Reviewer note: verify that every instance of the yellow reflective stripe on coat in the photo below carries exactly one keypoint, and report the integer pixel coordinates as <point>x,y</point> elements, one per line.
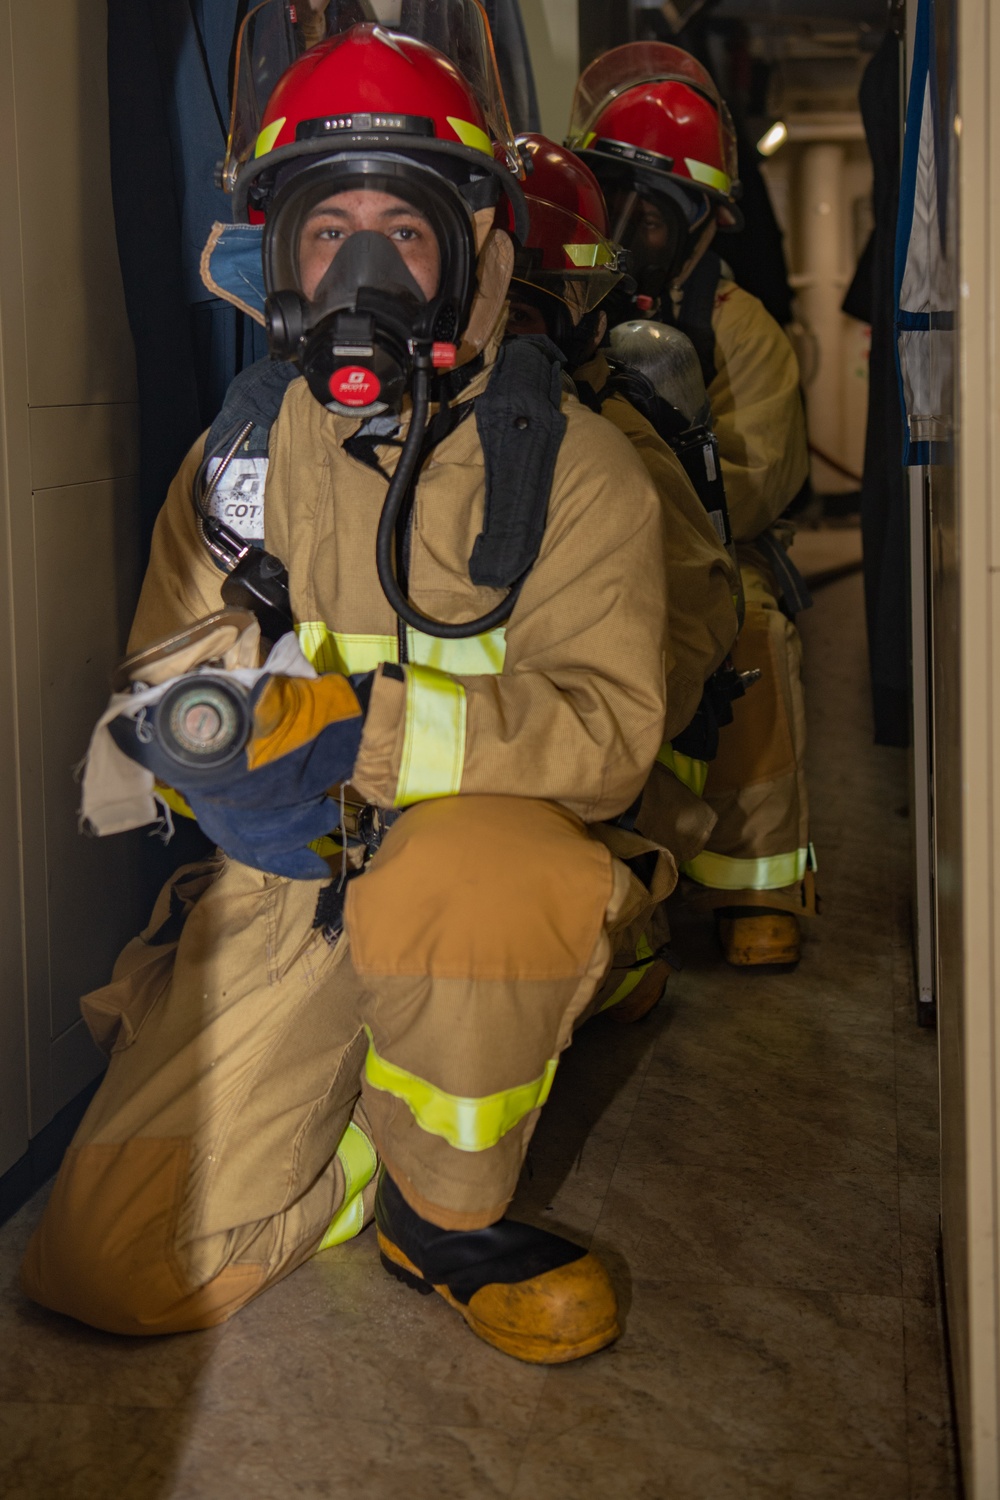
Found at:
<point>476,656</point>
<point>359,1162</point>
<point>338,651</point>
<point>332,651</point>
<point>725,874</point>
<point>466,1124</point>
<point>689,772</point>
<point>628,984</point>
<point>433,737</point>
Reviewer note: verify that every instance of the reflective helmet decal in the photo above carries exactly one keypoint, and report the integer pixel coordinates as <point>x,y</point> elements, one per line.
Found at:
<point>471,135</point>
<point>268,136</point>
<point>700,171</point>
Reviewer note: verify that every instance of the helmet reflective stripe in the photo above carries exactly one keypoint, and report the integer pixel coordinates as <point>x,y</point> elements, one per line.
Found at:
<point>471,135</point>
<point>591,255</point>
<point>711,176</point>
<point>268,136</point>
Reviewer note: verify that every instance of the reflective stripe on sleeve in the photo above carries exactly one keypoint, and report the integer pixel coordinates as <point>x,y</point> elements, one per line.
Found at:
<point>725,874</point>
<point>433,738</point>
<point>357,1157</point>
<point>689,772</point>
<point>339,651</point>
<point>466,1124</point>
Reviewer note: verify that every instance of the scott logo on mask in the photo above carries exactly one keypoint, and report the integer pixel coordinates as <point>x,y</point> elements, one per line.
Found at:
<point>352,385</point>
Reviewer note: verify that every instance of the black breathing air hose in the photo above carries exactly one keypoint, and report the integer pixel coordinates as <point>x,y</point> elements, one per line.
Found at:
<point>399,488</point>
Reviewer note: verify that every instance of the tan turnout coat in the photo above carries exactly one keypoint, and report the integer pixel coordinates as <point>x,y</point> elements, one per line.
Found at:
<point>576,714</point>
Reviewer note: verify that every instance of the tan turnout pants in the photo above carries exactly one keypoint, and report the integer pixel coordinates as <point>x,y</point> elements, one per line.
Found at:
<point>256,1069</point>
<point>758,851</point>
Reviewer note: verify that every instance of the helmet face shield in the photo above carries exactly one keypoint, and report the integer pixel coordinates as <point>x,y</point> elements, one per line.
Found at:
<point>568,258</point>
<point>622,68</point>
<point>277,33</point>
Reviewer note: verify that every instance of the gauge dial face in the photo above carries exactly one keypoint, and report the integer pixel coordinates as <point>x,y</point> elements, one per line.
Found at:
<point>203,721</point>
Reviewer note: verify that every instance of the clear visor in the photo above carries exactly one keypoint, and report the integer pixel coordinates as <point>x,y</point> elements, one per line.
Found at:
<point>643,62</point>
<point>652,228</point>
<point>568,258</point>
<point>277,33</point>
<point>408,230</point>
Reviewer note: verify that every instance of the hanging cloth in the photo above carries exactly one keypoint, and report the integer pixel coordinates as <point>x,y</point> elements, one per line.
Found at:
<point>925,318</point>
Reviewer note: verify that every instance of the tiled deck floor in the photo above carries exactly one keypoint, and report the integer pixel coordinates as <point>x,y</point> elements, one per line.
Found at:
<point>757,1162</point>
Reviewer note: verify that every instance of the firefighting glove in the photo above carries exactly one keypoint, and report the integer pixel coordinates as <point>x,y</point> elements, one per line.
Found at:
<point>294,738</point>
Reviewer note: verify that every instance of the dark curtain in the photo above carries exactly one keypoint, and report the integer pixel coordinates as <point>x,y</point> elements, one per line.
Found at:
<point>884,513</point>
<point>168,65</point>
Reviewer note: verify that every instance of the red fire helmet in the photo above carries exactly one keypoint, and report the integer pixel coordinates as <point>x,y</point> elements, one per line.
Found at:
<point>651,106</point>
<point>567,251</point>
<point>374,91</point>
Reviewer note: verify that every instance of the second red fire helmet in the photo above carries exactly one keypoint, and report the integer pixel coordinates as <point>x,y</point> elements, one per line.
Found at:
<point>567,252</point>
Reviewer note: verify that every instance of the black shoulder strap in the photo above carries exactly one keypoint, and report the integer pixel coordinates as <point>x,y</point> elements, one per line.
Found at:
<point>521,427</point>
<point>591,398</point>
<point>695,317</point>
<point>254,396</point>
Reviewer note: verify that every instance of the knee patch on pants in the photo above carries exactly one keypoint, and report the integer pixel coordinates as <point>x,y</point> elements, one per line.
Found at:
<point>104,1251</point>
<point>491,888</point>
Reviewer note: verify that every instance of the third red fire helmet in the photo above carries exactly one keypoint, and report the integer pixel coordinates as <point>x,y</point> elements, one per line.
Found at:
<point>653,106</point>
<point>567,252</point>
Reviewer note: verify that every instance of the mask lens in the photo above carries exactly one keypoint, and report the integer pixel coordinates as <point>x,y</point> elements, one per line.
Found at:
<point>314,227</point>
<point>651,232</point>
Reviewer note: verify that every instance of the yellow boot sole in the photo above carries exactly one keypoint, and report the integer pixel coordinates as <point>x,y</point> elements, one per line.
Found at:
<point>550,1319</point>
<point>771,938</point>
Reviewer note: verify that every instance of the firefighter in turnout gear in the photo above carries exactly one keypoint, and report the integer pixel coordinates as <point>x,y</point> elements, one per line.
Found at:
<point>469,693</point>
<point>648,120</point>
<point>564,272</point>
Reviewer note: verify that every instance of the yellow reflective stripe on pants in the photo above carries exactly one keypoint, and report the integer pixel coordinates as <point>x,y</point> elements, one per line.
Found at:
<point>466,1124</point>
<point>357,1157</point>
<point>725,874</point>
<point>628,984</point>
<point>338,651</point>
<point>433,737</point>
<point>689,772</point>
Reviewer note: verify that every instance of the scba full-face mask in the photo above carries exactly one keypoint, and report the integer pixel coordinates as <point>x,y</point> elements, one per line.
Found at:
<point>369,266</point>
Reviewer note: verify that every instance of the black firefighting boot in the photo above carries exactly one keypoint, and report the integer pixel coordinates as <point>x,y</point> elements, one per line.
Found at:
<point>530,1293</point>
